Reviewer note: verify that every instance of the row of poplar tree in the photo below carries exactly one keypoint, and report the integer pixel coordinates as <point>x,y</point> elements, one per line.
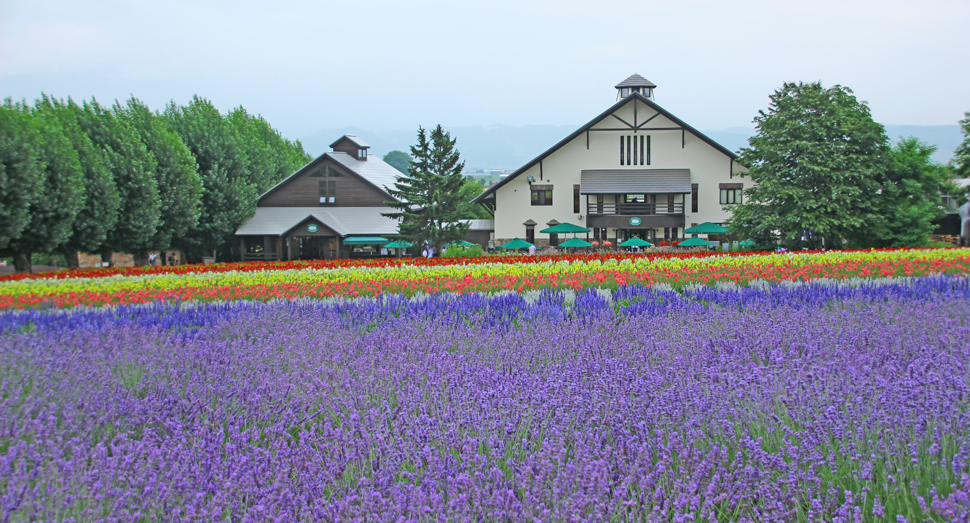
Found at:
<point>95,179</point>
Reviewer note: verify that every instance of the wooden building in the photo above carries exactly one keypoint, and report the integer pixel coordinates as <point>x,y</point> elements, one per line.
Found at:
<point>330,208</point>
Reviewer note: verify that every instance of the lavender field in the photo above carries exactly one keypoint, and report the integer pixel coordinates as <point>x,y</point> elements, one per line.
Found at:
<point>795,402</point>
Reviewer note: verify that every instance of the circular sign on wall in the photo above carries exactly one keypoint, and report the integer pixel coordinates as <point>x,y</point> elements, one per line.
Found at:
<point>634,221</point>
<point>312,227</point>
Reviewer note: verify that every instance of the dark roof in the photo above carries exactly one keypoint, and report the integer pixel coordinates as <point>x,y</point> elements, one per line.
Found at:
<point>636,81</point>
<point>633,96</point>
<point>352,138</point>
<point>635,181</point>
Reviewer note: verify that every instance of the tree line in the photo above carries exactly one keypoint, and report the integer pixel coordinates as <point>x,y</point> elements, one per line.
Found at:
<point>826,174</point>
<point>82,177</point>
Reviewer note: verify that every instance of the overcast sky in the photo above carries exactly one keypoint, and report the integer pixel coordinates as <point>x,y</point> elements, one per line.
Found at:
<point>394,65</point>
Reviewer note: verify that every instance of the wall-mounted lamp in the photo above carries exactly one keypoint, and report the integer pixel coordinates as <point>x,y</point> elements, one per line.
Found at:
<point>530,179</point>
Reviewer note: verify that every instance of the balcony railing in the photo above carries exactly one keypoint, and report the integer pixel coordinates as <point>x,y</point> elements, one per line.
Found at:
<point>635,209</point>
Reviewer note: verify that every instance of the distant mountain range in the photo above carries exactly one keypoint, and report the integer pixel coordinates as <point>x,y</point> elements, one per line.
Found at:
<point>508,147</point>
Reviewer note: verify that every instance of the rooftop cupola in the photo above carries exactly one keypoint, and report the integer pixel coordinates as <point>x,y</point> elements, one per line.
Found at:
<point>635,84</point>
<point>351,145</point>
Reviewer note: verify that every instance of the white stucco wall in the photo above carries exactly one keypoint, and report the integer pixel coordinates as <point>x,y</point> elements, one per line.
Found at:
<point>562,169</point>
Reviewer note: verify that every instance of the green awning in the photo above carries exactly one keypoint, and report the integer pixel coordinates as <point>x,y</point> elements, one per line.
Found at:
<point>706,228</point>
<point>694,242</point>
<point>564,228</point>
<point>400,244</point>
<point>575,242</point>
<point>365,240</point>
<point>636,242</point>
<point>516,244</point>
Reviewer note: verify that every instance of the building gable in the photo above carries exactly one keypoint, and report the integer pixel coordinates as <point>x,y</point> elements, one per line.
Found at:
<point>334,179</point>
<point>636,114</point>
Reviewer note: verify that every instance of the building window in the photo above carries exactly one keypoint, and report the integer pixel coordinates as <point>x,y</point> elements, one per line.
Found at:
<point>576,199</point>
<point>541,195</point>
<point>693,197</point>
<point>633,153</point>
<point>730,196</point>
<point>328,191</point>
<point>730,193</point>
<point>362,154</point>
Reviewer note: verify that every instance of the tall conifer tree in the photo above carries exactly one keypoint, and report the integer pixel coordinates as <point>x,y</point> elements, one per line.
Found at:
<point>430,207</point>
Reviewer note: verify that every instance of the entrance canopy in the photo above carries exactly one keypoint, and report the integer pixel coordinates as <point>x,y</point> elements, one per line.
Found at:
<point>635,181</point>
<point>365,240</point>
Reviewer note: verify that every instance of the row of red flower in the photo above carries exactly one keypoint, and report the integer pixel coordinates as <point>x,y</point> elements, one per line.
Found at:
<point>374,263</point>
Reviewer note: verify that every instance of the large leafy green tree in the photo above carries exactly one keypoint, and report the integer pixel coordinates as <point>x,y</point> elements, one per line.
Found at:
<point>271,157</point>
<point>399,160</point>
<point>20,171</point>
<point>469,190</point>
<point>229,192</point>
<point>430,207</point>
<point>60,196</point>
<point>177,176</point>
<point>909,196</point>
<point>815,163</point>
<point>134,168</point>
<point>99,213</point>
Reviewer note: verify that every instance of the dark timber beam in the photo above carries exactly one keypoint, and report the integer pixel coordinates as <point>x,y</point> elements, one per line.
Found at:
<point>647,121</point>
<point>622,120</point>
<point>641,129</point>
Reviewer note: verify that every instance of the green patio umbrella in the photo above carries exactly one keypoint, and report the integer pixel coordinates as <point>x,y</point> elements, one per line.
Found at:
<point>706,228</point>
<point>463,243</point>
<point>516,244</point>
<point>400,244</point>
<point>636,242</point>
<point>575,242</point>
<point>564,228</point>
<point>746,243</point>
<point>694,242</point>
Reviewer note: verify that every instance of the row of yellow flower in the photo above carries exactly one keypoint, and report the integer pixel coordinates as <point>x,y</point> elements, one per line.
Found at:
<point>358,281</point>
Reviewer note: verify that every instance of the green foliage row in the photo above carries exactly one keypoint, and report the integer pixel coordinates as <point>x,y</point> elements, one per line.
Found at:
<point>824,173</point>
<point>84,177</point>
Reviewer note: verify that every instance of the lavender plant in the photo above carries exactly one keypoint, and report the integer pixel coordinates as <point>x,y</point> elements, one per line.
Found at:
<point>821,401</point>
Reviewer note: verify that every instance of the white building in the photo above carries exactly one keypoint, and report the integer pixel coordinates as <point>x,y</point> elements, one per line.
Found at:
<point>634,170</point>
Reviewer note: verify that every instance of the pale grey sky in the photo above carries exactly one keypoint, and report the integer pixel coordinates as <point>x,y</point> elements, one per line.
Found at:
<point>394,65</point>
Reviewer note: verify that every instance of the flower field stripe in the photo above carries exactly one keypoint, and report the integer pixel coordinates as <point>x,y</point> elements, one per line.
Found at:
<point>553,273</point>
<point>822,400</point>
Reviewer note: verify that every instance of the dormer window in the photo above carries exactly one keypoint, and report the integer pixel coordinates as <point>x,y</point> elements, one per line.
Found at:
<point>361,154</point>
<point>624,92</point>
